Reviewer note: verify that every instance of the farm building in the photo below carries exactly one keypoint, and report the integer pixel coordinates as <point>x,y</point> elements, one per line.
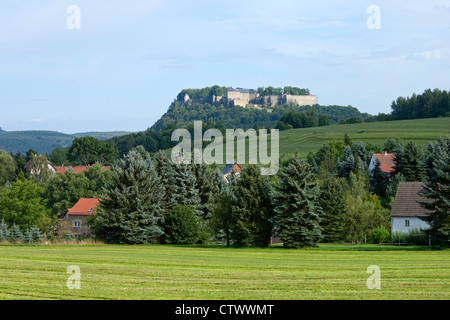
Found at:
<point>74,221</point>
<point>406,209</point>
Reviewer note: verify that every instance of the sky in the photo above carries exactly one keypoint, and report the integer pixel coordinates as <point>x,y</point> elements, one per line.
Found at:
<point>128,60</point>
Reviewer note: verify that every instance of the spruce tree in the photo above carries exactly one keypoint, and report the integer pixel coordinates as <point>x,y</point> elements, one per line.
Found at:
<point>15,234</point>
<point>165,170</point>
<point>332,202</point>
<point>36,234</point>
<point>411,163</point>
<point>378,180</point>
<point>298,211</point>
<point>184,187</point>
<point>4,232</point>
<point>252,210</point>
<point>222,219</point>
<point>437,186</point>
<point>131,208</point>
<point>347,164</point>
<point>28,237</point>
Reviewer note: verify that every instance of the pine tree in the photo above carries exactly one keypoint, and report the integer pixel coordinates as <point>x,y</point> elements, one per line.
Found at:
<point>332,202</point>
<point>15,234</point>
<point>165,169</point>
<point>185,191</point>
<point>207,184</point>
<point>347,164</point>
<point>252,211</point>
<point>131,209</point>
<point>4,232</point>
<point>28,237</point>
<point>361,155</point>
<point>36,234</point>
<point>298,212</point>
<point>348,142</point>
<point>411,163</point>
<point>222,219</point>
<point>378,180</point>
<point>437,186</point>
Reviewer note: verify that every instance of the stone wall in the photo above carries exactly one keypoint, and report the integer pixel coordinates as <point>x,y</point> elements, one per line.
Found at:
<point>301,100</point>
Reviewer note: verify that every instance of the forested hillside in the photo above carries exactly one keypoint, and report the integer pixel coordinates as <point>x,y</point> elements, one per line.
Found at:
<point>244,118</point>
<point>45,141</point>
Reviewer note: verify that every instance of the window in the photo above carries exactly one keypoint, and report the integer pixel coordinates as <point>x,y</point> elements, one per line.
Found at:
<point>77,224</point>
<point>406,223</point>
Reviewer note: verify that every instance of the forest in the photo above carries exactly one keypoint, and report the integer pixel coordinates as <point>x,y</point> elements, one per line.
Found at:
<point>430,104</point>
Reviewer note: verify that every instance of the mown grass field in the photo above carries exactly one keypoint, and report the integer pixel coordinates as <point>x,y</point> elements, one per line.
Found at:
<point>330,272</point>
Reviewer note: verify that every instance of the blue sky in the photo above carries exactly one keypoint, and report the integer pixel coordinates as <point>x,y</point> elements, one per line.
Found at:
<point>130,59</point>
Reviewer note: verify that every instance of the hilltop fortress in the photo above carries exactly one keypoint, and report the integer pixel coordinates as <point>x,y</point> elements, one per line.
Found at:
<point>251,98</point>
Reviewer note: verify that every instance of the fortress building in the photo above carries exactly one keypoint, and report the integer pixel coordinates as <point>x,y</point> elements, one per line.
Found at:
<point>251,98</point>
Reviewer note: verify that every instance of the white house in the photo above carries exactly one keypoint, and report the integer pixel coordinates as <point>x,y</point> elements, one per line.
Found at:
<point>406,210</point>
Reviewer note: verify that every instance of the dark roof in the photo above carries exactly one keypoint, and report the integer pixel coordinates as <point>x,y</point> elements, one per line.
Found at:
<point>230,167</point>
<point>406,200</point>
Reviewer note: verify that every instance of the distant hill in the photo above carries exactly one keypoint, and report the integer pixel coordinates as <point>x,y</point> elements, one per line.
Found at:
<point>45,141</point>
<point>204,104</point>
<point>208,105</point>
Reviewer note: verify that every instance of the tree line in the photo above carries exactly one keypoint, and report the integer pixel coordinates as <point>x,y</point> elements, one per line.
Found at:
<point>147,198</point>
<point>430,104</point>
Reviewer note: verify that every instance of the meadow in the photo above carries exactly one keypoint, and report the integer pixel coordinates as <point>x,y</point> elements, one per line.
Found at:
<point>421,131</point>
<point>306,140</point>
<point>154,272</point>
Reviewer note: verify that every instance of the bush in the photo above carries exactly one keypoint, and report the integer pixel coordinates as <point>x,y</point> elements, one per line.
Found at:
<point>182,226</point>
<point>413,236</point>
<point>379,235</point>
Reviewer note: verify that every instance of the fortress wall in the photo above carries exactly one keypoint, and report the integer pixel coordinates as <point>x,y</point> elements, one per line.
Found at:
<point>241,102</point>
<point>301,100</point>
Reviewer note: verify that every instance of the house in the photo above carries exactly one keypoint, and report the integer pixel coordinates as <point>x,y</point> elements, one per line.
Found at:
<point>74,220</point>
<point>387,163</point>
<point>406,210</point>
<point>229,168</point>
<point>37,165</point>
<point>77,169</point>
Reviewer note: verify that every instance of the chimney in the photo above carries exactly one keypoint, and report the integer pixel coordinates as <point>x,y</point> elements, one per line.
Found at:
<point>385,153</point>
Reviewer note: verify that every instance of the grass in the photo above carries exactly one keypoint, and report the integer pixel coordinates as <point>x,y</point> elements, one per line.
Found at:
<point>421,131</point>
<point>213,272</point>
<point>306,140</point>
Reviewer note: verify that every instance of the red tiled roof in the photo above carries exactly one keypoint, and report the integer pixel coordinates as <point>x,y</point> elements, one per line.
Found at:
<point>406,202</point>
<point>386,161</point>
<point>77,169</point>
<point>84,206</point>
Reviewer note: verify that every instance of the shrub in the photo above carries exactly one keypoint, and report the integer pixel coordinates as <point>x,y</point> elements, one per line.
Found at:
<point>182,226</point>
<point>379,235</point>
<point>413,236</point>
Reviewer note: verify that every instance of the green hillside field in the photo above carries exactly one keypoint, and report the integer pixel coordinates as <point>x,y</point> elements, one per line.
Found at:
<point>153,272</point>
<point>421,131</point>
<point>306,140</point>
